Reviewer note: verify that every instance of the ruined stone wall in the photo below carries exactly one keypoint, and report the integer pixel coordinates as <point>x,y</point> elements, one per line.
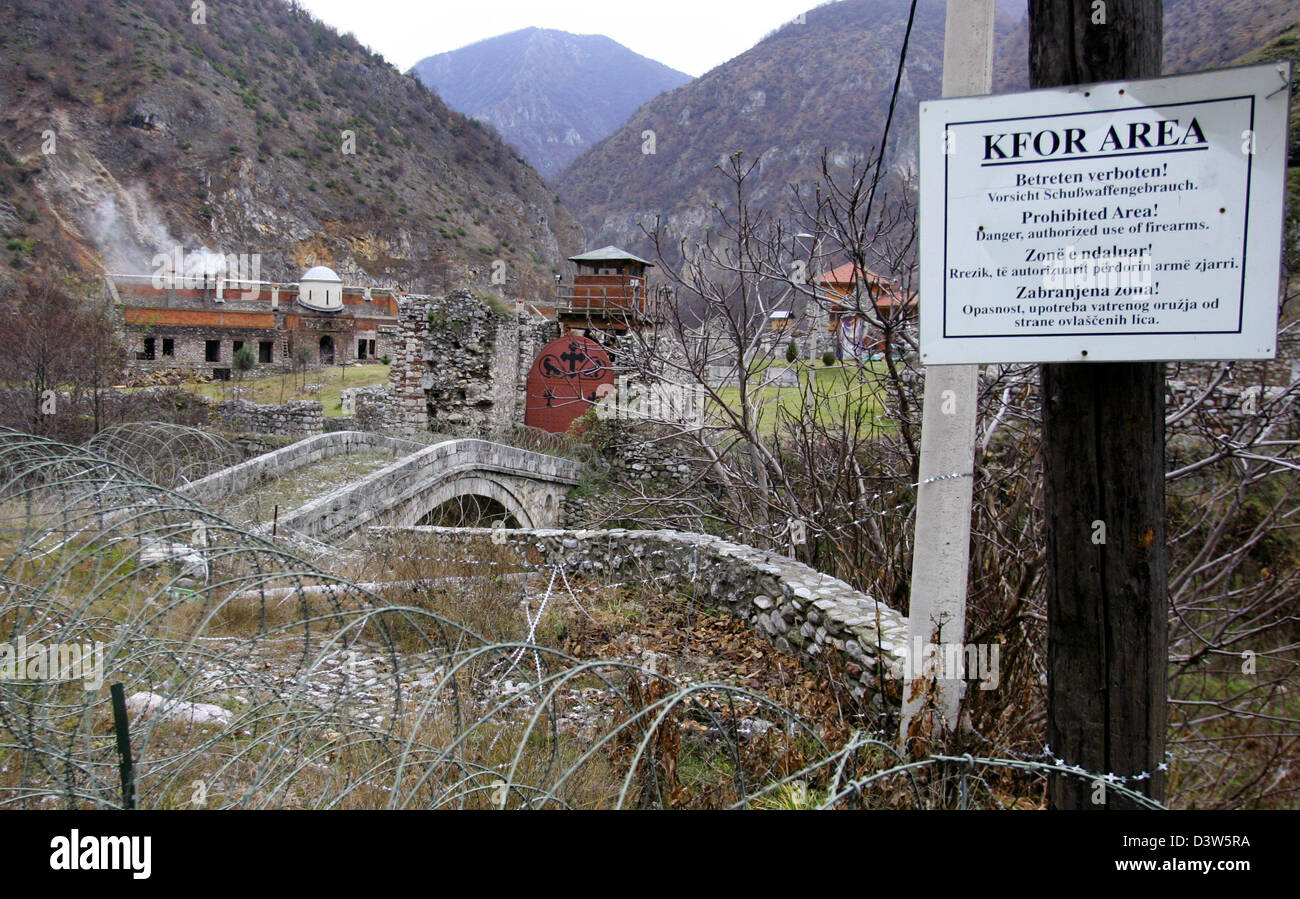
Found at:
<point>638,457</point>
<point>407,411</point>
<point>1242,389</point>
<point>364,409</point>
<point>386,339</point>
<point>1279,372</point>
<point>370,407</point>
<point>459,363</point>
<point>1230,406</point>
<point>641,458</point>
<point>299,418</point>
<point>504,372</point>
<point>803,612</point>
<point>462,365</point>
<point>534,333</point>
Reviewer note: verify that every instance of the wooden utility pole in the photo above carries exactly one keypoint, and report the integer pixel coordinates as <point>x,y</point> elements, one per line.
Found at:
<point>937,609</point>
<point>1103,459</point>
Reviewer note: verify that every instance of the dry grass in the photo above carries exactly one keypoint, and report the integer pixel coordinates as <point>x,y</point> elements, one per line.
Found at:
<point>456,680</point>
<point>325,385</point>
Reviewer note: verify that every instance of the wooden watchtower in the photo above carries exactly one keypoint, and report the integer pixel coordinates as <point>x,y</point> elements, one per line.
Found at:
<point>608,293</point>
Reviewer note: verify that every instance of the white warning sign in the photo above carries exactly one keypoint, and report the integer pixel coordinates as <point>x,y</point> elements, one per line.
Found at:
<point>1123,221</point>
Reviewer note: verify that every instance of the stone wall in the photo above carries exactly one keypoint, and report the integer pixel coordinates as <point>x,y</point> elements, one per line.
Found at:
<point>642,458</point>
<point>408,411</point>
<point>655,461</point>
<point>298,418</point>
<point>1279,372</point>
<point>1229,407</point>
<point>802,611</point>
<point>534,333</point>
<point>1246,387</point>
<point>251,446</point>
<point>364,409</point>
<point>459,359</point>
<point>458,364</point>
<point>1242,388</point>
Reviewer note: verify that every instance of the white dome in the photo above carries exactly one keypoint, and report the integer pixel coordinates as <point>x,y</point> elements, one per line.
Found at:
<point>321,289</point>
<point>320,273</point>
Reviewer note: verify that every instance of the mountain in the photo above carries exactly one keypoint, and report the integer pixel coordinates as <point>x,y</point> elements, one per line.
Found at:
<point>132,127</point>
<point>826,83</point>
<point>1204,34</point>
<point>549,93</point>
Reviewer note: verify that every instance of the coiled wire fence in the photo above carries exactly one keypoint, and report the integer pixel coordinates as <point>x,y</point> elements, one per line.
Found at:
<point>257,679</point>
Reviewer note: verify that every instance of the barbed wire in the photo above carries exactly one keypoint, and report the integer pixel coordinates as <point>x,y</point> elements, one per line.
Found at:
<point>258,679</point>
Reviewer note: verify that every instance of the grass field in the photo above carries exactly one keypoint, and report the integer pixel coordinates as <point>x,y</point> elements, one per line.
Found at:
<point>283,388</point>
<point>837,392</point>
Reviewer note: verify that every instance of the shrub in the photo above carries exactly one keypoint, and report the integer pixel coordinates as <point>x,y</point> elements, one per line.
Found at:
<point>243,360</point>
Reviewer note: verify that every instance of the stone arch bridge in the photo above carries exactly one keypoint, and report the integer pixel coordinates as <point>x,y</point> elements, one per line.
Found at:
<point>803,612</point>
<point>529,486</point>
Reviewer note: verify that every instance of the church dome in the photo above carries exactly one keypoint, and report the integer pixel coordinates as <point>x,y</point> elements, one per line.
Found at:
<point>320,273</point>
<point>321,289</point>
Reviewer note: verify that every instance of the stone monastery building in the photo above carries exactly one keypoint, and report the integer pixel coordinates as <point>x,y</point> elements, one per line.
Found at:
<point>200,322</point>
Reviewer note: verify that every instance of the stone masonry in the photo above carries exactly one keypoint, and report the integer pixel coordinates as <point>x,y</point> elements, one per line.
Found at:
<point>802,611</point>
<point>301,418</point>
<point>459,364</point>
<point>530,486</point>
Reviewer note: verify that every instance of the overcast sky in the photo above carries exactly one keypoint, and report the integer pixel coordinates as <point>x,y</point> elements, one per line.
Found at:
<point>690,35</point>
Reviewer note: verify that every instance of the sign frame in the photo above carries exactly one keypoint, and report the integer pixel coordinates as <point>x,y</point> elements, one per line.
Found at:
<point>970,148</point>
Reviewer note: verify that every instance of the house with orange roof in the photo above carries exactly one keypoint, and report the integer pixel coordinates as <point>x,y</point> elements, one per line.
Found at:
<point>845,289</point>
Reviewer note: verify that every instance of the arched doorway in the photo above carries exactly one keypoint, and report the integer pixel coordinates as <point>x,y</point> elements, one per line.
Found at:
<point>563,381</point>
<point>327,350</point>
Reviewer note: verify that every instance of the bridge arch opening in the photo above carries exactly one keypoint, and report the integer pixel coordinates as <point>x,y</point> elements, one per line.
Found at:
<point>484,486</point>
<point>469,510</point>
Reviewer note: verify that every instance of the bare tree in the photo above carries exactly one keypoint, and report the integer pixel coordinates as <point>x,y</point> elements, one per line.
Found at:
<point>63,352</point>
<point>837,450</point>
